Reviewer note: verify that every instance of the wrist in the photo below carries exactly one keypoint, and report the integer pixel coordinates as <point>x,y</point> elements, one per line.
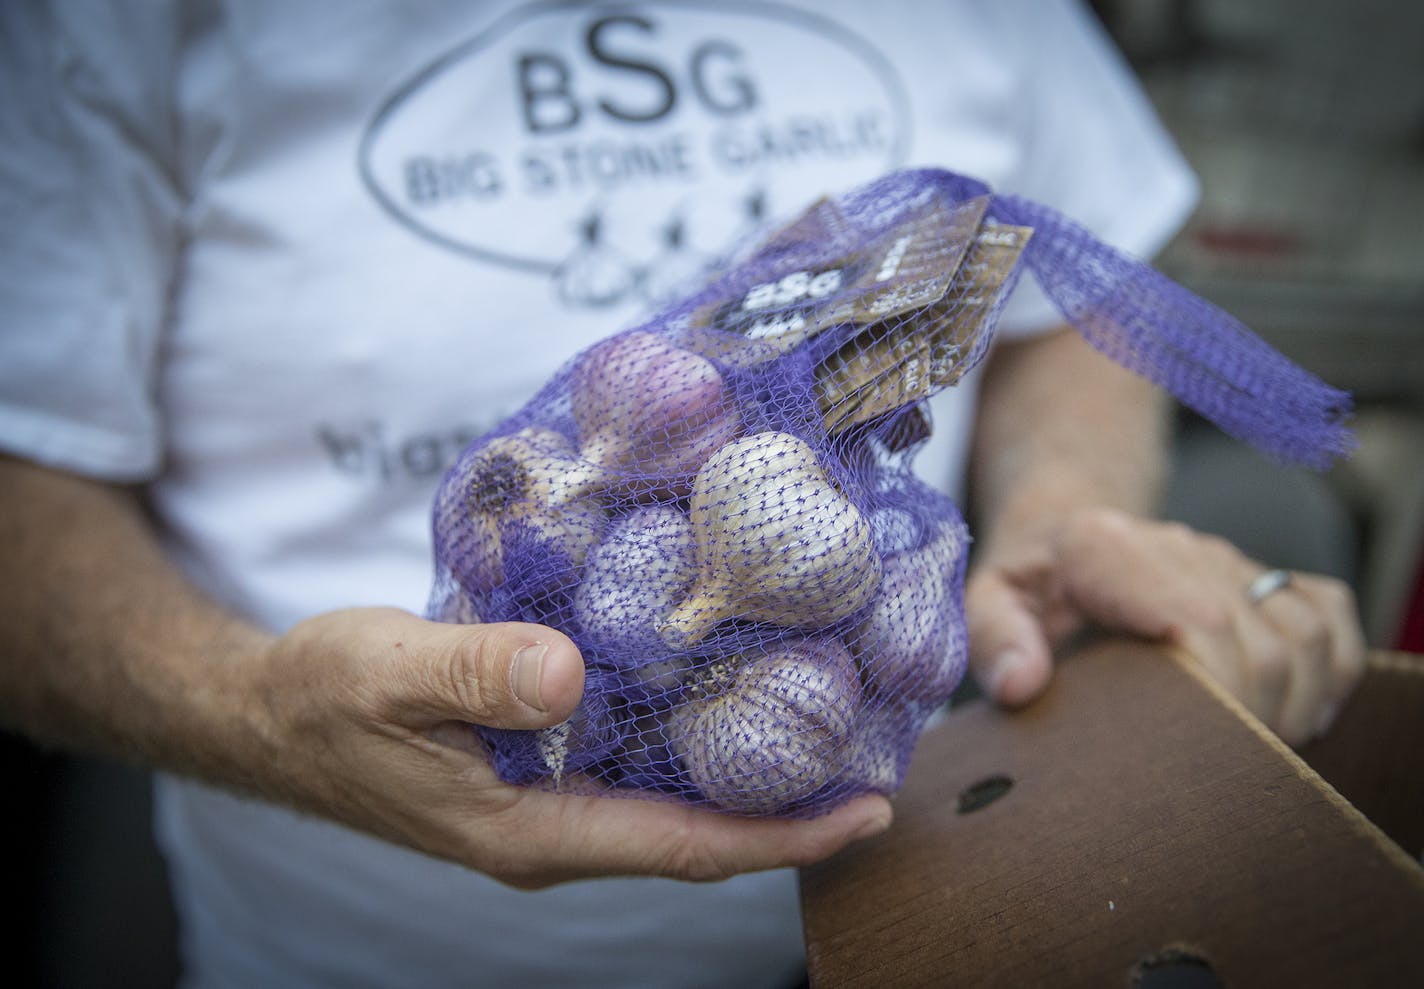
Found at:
<point>233,721</point>
<point>1062,430</point>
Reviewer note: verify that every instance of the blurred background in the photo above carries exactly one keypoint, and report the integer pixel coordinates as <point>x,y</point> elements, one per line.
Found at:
<point>1305,122</point>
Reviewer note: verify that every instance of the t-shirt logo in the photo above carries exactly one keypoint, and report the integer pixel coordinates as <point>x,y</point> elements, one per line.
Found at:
<point>618,150</point>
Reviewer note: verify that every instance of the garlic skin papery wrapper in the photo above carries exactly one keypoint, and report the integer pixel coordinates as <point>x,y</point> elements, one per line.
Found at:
<point>520,486</point>
<point>649,413</point>
<point>765,732</point>
<point>776,542</point>
<point>911,645</point>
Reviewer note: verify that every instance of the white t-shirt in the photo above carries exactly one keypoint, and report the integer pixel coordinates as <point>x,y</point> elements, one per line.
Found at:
<point>281,261</point>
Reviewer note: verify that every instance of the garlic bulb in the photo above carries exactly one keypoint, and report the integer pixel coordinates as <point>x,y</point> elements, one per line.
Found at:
<point>649,409</point>
<point>910,645</point>
<point>896,529</point>
<point>630,583</point>
<point>519,486</point>
<point>776,542</point>
<point>880,747</point>
<point>765,732</point>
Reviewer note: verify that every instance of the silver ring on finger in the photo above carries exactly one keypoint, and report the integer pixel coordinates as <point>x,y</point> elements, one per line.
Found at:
<point>1267,584</point>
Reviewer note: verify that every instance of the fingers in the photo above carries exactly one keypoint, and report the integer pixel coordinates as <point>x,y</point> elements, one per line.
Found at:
<point>1347,635</point>
<point>386,746</point>
<point>1292,658</point>
<point>505,675</point>
<point>716,846</point>
<point>591,837</point>
<point>509,675</point>
<point>1290,649</point>
<point>1324,615</point>
<point>1008,653</point>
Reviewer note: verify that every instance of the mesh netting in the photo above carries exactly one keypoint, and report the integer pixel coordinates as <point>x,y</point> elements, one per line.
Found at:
<point>718,506</point>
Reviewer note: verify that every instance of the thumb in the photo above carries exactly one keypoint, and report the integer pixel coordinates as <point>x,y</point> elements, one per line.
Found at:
<point>505,675</point>
<point>1009,654</point>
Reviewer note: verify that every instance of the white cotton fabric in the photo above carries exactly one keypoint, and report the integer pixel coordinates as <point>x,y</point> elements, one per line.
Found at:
<point>281,261</point>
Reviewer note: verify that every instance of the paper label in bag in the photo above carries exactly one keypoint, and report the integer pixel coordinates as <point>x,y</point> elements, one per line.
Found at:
<point>808,287</point>
<point>904,361</point>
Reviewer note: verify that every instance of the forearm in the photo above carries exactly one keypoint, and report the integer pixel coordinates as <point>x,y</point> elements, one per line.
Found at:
<point>106,646</point>
<point>1062,428</point>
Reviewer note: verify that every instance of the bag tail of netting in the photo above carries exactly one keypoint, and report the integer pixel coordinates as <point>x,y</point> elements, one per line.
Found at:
<point>718,506</point>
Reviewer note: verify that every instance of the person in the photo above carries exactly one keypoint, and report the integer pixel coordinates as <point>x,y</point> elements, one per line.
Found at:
<point>266,270</point>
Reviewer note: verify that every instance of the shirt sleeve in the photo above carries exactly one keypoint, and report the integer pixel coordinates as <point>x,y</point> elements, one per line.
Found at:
<point>91,210</point>
<point>1092,146</point>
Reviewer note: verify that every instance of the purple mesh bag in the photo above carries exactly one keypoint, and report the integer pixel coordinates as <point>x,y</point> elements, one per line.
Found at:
<point>718,506</point>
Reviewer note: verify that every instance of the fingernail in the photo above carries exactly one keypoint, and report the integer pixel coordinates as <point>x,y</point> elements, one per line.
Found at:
<point>526,675</point>
<point>1000,667</point>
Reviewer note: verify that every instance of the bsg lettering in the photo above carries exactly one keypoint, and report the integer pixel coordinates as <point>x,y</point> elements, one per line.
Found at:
<point>617,76</point>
